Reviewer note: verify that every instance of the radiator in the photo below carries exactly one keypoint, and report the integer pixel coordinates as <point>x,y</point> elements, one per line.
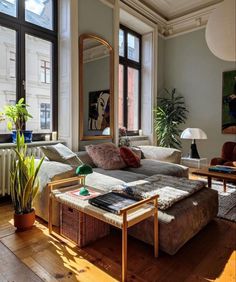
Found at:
<point>6,158</point>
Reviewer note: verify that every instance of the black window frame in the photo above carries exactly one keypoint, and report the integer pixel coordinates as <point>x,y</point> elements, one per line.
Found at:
<point>126,63</point>
<point>23,27</point>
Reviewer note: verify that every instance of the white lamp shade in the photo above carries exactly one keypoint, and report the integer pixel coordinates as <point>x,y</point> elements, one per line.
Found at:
<point>106,131</point>
<point>193,133</point>
<point>221,31</point>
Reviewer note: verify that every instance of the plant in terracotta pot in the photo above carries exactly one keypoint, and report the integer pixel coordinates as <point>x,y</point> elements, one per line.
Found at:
<point>24,185</point>
<point>17,115</point>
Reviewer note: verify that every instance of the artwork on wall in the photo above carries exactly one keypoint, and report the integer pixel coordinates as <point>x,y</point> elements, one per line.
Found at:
<point>99,110</point>
<point>229,102</point>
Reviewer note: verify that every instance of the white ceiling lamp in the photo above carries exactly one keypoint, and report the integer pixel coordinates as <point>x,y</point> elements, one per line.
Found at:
<point>221,31</point>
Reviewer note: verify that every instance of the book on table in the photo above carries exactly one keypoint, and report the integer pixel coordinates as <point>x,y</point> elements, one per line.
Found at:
<point>223,169</point>
<point>112,202</point>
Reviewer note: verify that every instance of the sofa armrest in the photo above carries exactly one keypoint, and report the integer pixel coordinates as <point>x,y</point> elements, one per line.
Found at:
<point>169,155</point>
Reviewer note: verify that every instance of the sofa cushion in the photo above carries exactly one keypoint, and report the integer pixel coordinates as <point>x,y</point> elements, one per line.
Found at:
<point>170,155</point>
<point>126,176</point>
<point>129,157</point>
<point>106,156</point>
<point>61,153</point>
<point>85,158</point>
<point>151,167</point>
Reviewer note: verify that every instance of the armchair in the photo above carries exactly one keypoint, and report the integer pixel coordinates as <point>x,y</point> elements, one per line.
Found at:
<point>228,155</point>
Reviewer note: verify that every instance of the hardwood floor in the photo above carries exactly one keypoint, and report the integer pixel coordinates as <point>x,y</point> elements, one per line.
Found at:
<point>209,256</point>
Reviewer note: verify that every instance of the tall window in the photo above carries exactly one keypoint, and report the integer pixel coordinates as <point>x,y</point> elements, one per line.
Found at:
<point>45,72</point>
<point>28,37</point>
<point>45,116</point>
<point>129,79</point>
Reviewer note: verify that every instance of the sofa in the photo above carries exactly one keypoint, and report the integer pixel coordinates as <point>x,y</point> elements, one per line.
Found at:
<point>177,224</point>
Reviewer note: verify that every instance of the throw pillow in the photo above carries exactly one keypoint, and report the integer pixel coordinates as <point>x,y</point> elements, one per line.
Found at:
<point>62,154</point>
<point>106,156</point>
<point>129,157</point>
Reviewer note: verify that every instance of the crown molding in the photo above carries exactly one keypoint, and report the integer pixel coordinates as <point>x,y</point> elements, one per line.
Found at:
<point>169,28</point>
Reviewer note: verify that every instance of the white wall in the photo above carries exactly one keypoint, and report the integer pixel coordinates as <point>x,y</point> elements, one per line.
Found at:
<point>196,73</point>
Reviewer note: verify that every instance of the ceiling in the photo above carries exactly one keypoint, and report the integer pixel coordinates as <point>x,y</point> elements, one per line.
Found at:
<point>171,9</point>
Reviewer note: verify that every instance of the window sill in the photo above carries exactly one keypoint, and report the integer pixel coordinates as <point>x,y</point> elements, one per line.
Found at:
<point>32,144</point>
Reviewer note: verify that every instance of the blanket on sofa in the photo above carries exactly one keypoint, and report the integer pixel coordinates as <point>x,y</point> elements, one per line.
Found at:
<point>169,188</point>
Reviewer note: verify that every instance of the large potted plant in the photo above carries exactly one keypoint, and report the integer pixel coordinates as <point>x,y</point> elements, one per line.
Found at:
<point>17,115</point>
<point>24,185</point>
<point>169,114</point>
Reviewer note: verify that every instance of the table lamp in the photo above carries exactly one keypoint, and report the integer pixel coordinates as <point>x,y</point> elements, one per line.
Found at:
<point>84,170</point>
<point>193,133</point>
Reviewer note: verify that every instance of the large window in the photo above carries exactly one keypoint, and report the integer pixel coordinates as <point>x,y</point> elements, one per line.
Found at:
<point>28,61</point>
<point>129,80</point>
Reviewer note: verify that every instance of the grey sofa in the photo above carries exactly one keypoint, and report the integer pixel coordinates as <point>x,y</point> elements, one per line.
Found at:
<point>177,224</point>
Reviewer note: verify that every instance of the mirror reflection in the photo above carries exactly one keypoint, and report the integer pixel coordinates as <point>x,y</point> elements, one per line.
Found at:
<point>96,91</point>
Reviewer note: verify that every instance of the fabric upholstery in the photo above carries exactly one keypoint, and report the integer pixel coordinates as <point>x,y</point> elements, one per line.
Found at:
<point>85,158</point>
<point>106,156</point>
<point>228,155</point>
<point>161,154</point>
<point>61,153</point>
<point>129,157</point>
<point>151,167</point>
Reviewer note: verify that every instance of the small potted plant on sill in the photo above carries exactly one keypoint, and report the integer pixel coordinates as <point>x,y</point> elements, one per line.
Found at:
<point>24,185</point>
<point>17,116</point>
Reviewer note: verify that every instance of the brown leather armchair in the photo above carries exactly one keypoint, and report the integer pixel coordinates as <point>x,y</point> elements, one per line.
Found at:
<point>228,155</point>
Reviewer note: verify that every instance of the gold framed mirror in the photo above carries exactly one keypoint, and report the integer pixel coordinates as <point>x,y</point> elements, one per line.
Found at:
<point>96,88</point>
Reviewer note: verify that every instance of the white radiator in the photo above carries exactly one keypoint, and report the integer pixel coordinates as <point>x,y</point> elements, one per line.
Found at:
<point>6,158</point>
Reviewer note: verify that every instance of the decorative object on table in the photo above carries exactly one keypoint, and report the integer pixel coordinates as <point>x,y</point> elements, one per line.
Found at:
<point>54,135</point>
<point>84,170</point>
<point>99,109</point>
<point>193,134</point>
<point>229,102</point>
<point>123,138</point>
<point>228,155</point>
<point>17,116</point>
<point>220,31</point>
<point>169,114</point>
<point>24,185</point>
<point>77,193</point>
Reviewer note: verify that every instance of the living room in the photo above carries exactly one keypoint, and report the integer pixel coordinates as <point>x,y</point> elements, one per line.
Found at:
<point>52,54</point>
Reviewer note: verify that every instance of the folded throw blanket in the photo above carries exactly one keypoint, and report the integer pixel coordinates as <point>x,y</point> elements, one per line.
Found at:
<point>170,189</point>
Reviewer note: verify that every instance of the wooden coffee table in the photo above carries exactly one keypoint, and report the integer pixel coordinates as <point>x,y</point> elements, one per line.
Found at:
<point>218,175</point>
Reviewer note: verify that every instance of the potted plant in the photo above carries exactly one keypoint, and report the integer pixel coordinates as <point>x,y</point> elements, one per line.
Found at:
<point>168,116</point>
<point>17,116</point>
<point>24,185</point>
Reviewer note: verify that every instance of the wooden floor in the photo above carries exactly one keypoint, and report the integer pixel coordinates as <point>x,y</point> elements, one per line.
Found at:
<point>210,256</point>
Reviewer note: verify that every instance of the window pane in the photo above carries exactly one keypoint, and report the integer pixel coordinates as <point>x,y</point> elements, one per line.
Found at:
<point>133,47</point>
<point>38,84</point>
<point>121,43</point>
<point>8,7</point>
<point>39,12</point>
<point>7,70</point>
<point>121,96</point>
<point>133,98</point>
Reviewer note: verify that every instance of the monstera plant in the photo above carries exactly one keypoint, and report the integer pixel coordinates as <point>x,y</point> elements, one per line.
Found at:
<point>169,114</point>
<point>24,185</point>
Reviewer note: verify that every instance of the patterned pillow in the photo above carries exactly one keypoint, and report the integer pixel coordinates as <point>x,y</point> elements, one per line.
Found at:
<point>62,154</point>
<point>106,156</point>
<point>129,157</point>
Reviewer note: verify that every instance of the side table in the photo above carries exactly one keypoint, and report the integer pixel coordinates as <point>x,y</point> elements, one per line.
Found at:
<point>128,216</point>
<point>194,163</point>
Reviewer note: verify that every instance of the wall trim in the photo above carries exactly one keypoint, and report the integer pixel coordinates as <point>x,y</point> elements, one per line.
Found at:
<point>180,25</point>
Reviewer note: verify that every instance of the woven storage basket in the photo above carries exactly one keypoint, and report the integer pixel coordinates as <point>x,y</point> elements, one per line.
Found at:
<point>81,228</point>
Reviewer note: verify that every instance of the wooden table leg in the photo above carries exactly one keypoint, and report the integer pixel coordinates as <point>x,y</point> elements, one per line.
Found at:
<point>155,229</point>
<point>50,213</point>
<point>209,181</point>
<point>224,184</point>
<point>124,248</point>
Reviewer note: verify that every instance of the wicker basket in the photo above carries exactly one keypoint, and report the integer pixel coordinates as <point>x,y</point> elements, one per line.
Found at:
<point>81,228</point>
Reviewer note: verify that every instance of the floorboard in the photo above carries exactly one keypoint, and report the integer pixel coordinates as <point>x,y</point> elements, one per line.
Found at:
<point>209,256</point>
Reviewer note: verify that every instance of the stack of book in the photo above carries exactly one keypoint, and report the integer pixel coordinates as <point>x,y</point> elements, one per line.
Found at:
<point>223,169</point>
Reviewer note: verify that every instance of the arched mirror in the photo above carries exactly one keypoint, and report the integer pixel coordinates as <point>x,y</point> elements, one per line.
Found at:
<point>96,98</point>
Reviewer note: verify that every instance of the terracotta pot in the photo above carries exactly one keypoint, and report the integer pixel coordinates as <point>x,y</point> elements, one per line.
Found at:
<point>24,221</point>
